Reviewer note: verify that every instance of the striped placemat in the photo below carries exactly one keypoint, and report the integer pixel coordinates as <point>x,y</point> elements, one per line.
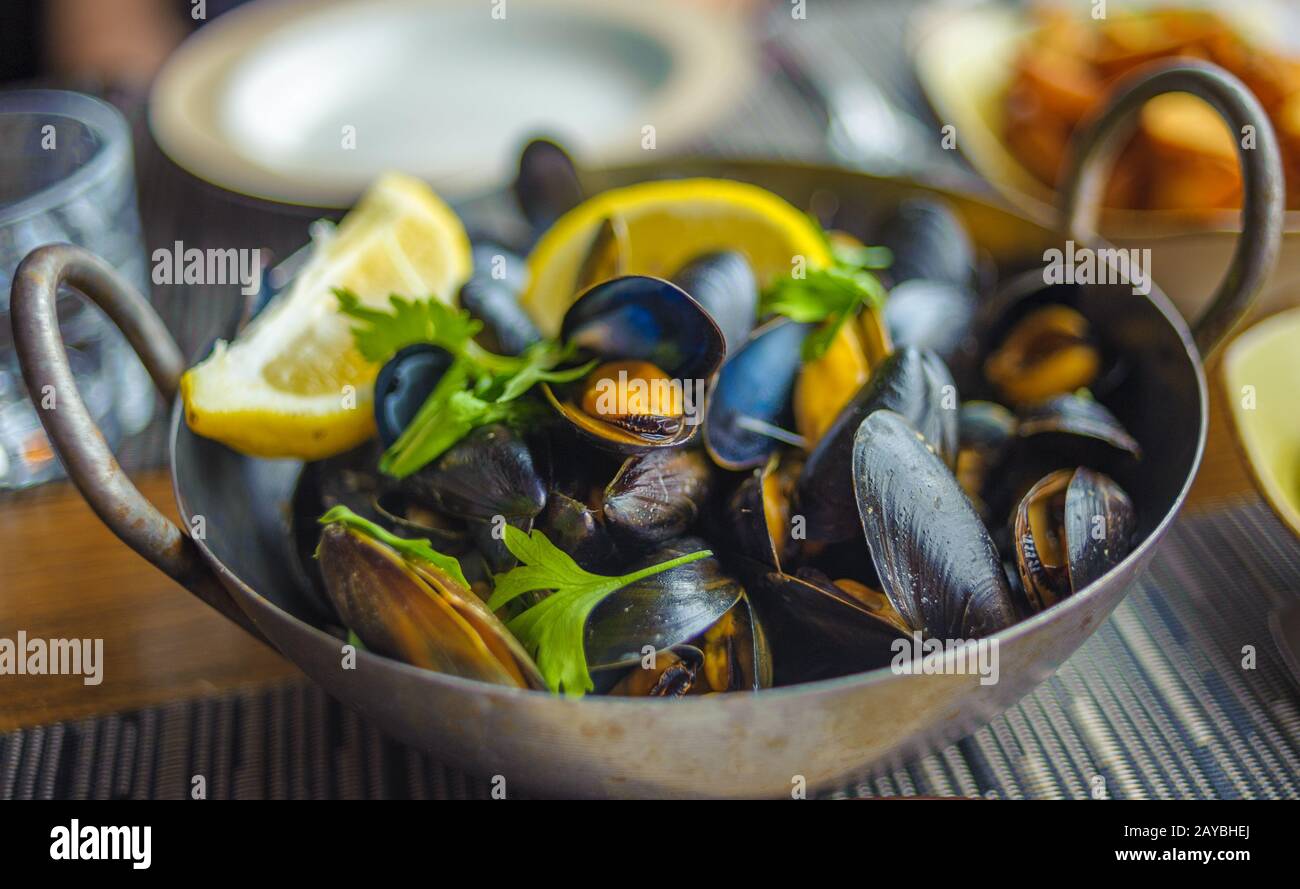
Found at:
<point>1157,704</point>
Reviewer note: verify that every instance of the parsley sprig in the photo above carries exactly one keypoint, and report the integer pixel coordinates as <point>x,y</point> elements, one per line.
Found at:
<point>552,630</point>
<point>414,549</point>
<point>830,296</point>
<point>479,387</point>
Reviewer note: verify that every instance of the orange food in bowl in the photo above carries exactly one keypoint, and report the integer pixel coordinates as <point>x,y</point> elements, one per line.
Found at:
<point>1182,156</point>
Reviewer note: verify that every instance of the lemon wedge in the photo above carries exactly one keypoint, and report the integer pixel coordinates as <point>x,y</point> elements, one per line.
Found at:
<point>667,224</point>
<point>292,384</point>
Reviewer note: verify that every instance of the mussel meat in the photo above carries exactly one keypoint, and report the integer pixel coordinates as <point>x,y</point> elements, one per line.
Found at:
<point>658,348</point>
<point>418,612</point>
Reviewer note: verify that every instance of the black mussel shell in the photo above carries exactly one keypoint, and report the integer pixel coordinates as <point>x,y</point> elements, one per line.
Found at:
<point>580,531</point>
<point>1071,528</point>
<point>751,515</point>
<point>724,284</point>
<point>640,318</point>
<point>1076,416</point>
<point>934,557</point>
<point>547,185</point>
<point>753,391</point>
<point>817,630</point>
<point>403,384</point>
<point>657,496</point>
<point>939,316</point>
<point>349,479</point>
<point>737,652</point>
<point>607,255</point>
<point>488,474</point>
<point>418,613</point>
<point>928,241</point>
<point>985,431</point>
<point>910,382</point>
<point>492,296</point>
<point>663,610</point>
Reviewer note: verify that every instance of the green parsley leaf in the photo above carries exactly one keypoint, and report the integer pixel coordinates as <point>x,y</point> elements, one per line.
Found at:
<point>414,549</point>
<point>829,296</point>
<point>381,335</point>
<point>552,630</point>
<point>448,415</point>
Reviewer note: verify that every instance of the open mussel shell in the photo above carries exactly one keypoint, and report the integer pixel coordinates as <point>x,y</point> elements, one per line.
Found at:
<point>935,559</point>
<point>659,348</point>
<point>547,184</point>
<point>662,610</point>
<point>418,613</point>
<point>1071,528</point>
<point>1078,417</point>
<point>734,654</point>
<point>751,395</point>
<point>758,511</point>
<point>828,382</point>
<point>1061,433</point>
<point>819,629</point>
<point>928,241</point>
<point>724,284</point>
<point>657,496</point>
<point>1048,352</point>
<point>910,382</point>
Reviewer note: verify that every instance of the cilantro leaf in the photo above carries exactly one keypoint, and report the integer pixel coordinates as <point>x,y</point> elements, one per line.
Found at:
<point>830,296</point>
<point>552,630</point>
<point>448,415</point>
<point>380,335</point>
<point>414,549</point>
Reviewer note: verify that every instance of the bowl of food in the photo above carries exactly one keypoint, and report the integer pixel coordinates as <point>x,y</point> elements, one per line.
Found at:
<point>710,502</point>
<point>1014,84</point>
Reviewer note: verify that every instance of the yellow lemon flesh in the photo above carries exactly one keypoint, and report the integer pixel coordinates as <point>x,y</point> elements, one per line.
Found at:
<point>667,224</point>
<point>292,384</point>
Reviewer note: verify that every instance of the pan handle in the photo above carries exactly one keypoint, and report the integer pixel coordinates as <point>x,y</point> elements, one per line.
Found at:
<point>1095,144</point>
<point>79,443</point>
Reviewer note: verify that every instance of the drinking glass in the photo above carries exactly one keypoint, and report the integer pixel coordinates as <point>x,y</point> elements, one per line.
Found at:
<point>66,174</point>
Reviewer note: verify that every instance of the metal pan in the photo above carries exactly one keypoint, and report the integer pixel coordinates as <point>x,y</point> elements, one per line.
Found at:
<point>723,745</point>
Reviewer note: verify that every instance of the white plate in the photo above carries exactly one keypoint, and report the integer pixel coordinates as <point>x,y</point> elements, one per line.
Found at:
<point>306,101</point>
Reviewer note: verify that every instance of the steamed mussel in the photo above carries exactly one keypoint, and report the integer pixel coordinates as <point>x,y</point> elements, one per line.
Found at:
<point>935,464</point>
